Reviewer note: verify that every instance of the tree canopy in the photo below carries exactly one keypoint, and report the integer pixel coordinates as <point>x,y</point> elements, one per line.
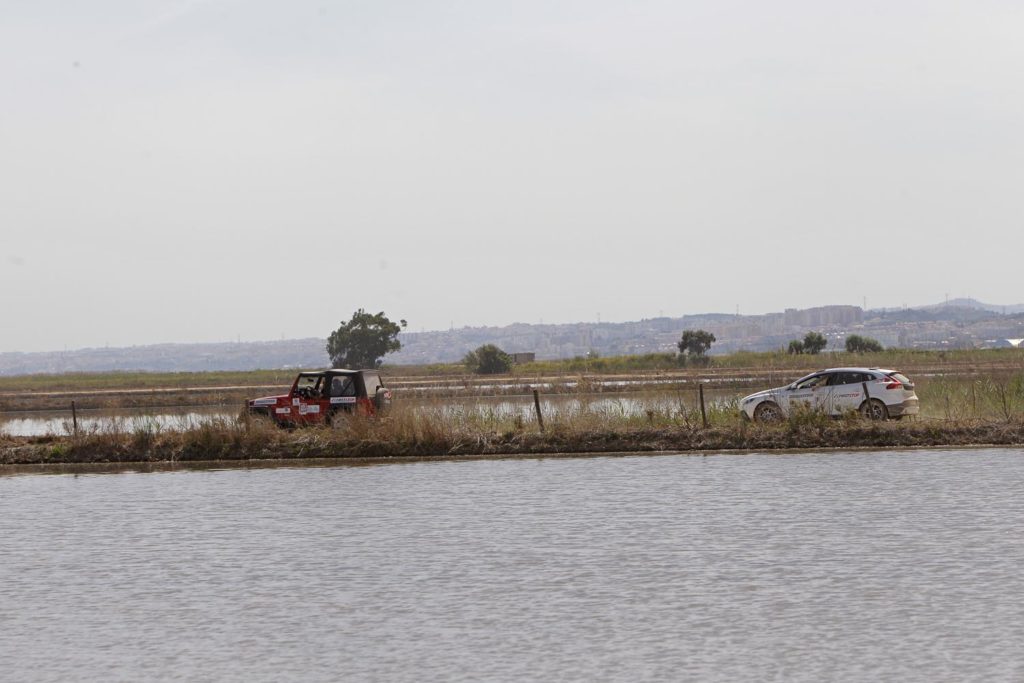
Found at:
<point>813,343</point>
<point>858,344</point>
<point>695,342</point>
<point>488,360</point>
<point>364,340</point>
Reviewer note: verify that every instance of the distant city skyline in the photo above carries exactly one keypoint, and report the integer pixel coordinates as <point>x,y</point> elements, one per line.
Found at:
<point>782,311</point>
<point>932,327</point>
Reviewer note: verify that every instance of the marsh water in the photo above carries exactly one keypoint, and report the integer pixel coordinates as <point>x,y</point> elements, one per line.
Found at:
<point>854,566</point>
<point>504,407</point>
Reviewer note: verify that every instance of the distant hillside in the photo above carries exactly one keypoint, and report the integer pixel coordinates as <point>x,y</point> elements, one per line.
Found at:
<point>171,358</point>
<point>961,324</point>
<point>961,304</point>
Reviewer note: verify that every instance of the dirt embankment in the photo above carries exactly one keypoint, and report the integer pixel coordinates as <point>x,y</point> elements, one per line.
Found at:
<point>260,443</point>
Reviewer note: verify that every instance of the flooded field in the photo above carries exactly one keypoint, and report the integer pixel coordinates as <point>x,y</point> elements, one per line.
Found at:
<point>850,566</point>
<point>496,408</point>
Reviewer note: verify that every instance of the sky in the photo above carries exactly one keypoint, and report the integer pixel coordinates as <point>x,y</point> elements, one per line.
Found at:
<point>213,170</point>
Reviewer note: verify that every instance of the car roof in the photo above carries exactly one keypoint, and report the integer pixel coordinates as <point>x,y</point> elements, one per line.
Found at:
<point>880,370</point>
<point>332,371</point>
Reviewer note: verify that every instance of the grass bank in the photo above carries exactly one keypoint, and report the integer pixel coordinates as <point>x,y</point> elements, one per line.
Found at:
<point>463,432</point>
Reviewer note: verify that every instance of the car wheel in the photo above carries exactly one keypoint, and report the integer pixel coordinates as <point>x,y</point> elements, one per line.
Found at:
<point>874,410</point>
<point>767,412</point>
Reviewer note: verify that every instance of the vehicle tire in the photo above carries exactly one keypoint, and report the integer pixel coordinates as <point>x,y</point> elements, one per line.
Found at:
<point>768,411</point>
<point>873,409</point>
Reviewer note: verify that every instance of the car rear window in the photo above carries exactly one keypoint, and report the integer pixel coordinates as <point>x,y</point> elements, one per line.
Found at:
<point>901,378</point>
<point>372,381</point>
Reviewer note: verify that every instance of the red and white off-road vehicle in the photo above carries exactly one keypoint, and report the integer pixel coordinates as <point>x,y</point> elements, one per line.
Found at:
<point>317,397</point>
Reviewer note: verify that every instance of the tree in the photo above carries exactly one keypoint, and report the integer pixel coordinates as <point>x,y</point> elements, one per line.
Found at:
<point>363,340</point>
<point>796,347</point>
<point>858,344</point>
<point>488,360</point>
<point>814,343</point>
<point>695,343</point>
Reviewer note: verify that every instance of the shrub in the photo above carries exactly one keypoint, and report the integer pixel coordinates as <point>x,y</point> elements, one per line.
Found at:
<point>488,360</point>
<point>858,344</point>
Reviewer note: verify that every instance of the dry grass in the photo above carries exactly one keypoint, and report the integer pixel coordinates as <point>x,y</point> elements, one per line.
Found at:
<point>589,424</point>
<point>980,408</point>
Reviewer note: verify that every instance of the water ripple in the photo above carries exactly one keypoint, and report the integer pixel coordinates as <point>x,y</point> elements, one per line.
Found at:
<point>852,566</point>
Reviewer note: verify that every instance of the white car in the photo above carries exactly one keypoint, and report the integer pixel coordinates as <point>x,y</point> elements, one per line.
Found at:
<point>876,393</point>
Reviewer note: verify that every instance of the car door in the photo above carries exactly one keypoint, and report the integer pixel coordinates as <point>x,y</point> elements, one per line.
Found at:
<point>811,393</point>
<point>848,391</point>
<point>822,393</point>
<point>311,402</point>
<point>798,395</point>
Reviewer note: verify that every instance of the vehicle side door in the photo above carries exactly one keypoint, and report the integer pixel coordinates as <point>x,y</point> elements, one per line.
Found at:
<point>823,392</point>
<point>848,392</point>
<point>801,394</point>
<point>812,393</point>
<point>312,399</point>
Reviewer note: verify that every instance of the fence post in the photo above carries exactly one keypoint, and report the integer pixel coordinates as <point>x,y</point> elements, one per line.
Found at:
<point>74,418</point>
<point>703,413</point>
<point>536,405</point>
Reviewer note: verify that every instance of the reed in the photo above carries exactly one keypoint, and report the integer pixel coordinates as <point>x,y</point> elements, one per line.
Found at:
<point>985,413</point>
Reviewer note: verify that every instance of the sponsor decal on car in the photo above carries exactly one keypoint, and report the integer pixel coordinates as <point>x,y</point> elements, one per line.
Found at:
<point>282,411</point>
<point>342,399</point>
<point>264,402</point>
<point>308,409</point>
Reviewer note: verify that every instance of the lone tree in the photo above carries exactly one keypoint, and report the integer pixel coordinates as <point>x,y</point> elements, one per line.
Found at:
<point>812,344</point>
<point>363,340</point>
<point>694,344</point>
<point>488,360</point>
<point>858,344</point>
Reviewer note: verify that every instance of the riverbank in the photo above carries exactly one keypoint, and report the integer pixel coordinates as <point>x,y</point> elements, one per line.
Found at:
<point>256,441</point>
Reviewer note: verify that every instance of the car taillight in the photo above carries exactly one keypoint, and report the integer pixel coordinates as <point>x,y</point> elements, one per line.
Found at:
<point>891,383</point>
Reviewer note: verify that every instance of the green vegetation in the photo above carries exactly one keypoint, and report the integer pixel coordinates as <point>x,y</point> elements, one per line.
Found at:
<point>363,340</point>
<point>693,345</point>
<point>956,410</point>
<point>487,360</point>
<point>858,344</point>
<point>812,344</point>
<point>662,423</point>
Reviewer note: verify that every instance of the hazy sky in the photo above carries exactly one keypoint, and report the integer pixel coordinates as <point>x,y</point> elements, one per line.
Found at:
<point>208,170</point>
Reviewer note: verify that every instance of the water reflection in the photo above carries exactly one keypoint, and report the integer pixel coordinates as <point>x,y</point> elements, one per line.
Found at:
<point>489,408</point>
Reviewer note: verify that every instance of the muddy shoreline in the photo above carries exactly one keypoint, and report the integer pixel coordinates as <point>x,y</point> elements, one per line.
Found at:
<point>204,445</point>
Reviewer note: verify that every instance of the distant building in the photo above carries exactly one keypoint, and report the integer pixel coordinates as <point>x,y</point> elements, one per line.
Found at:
<point>1007,344</point>
<point>525,357</point>
<point>824,316</point>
